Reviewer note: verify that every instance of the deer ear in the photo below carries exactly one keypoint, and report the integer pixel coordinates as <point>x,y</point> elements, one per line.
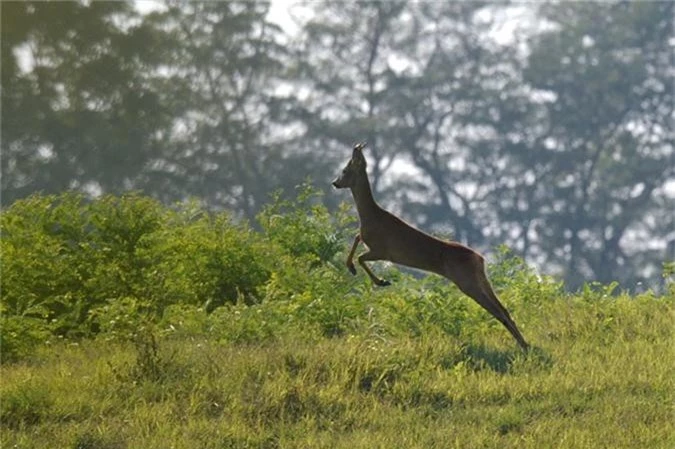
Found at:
<point>358,150</point>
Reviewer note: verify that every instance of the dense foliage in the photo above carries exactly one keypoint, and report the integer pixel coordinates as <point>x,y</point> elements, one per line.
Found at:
<point>116,265</point>
<point>74,267</point>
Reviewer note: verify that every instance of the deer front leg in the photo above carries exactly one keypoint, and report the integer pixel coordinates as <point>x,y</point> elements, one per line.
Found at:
<point>368,255</point>
<point>350,257</point>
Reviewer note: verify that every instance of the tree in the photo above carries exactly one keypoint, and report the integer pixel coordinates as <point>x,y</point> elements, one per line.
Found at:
<point>608,145</point>
<point>457,99</point>
<point>220,73</point>
<point>338,80</point>
<point>78,110</point>
<point>563,154</point>
<point>418,82</point>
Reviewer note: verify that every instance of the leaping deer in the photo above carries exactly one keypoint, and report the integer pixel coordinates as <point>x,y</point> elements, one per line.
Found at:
<point>390,238</point>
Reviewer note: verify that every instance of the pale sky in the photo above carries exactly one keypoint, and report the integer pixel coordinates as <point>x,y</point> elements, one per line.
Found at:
<point>278,11</point>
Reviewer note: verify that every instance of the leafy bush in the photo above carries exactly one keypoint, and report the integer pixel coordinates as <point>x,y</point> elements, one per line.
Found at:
<point>429,305</point>
<point>76,267</point>
<point>206,260</point>
<point>64,256</point>
<point>43,261</point>
<point>119,266</point>
<point>304,227</point>
<point>309,273</point>
<point>669,278</point>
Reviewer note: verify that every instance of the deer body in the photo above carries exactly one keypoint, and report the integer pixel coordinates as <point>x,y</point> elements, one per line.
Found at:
<point>390,238</point>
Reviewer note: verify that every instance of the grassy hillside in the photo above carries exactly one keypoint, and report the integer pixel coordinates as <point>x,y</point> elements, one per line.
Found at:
<point>127,324</point>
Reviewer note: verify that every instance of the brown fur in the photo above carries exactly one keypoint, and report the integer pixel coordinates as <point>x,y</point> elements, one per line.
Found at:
<point>390,238</point>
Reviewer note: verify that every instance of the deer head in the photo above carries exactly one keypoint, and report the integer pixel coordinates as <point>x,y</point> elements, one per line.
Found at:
<point>355,168</point>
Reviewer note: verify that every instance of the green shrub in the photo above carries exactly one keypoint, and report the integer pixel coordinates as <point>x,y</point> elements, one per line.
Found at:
<point>206,260</point>
<point>44,259</point>
<point>123,318</point>
<point>304,227</point>
<point>119,265</point>
<point>77,267</point>
<point>67,256</point>
<point>309,271</point>
<point>429,305</point>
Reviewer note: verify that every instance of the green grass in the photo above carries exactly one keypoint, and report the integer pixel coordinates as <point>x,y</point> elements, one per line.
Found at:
<point>601,376</point>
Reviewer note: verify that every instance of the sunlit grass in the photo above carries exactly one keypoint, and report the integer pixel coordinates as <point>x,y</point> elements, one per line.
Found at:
<point>600,376</point>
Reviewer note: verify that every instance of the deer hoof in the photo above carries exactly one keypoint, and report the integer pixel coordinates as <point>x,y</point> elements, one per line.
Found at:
<point>383,283</point>
<point>351,269</point>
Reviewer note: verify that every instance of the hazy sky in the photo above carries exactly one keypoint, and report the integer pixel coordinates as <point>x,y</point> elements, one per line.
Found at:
<point>278,11</point>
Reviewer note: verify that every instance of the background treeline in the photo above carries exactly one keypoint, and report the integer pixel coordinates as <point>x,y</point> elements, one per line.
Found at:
<point>554,138</point>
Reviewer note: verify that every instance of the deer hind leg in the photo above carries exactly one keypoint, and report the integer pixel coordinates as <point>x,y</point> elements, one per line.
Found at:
<point>369,255</point>
<point>505,319</point>
<point>474,283</point>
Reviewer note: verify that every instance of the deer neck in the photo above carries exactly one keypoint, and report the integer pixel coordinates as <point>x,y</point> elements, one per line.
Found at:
<point>363,197</point>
